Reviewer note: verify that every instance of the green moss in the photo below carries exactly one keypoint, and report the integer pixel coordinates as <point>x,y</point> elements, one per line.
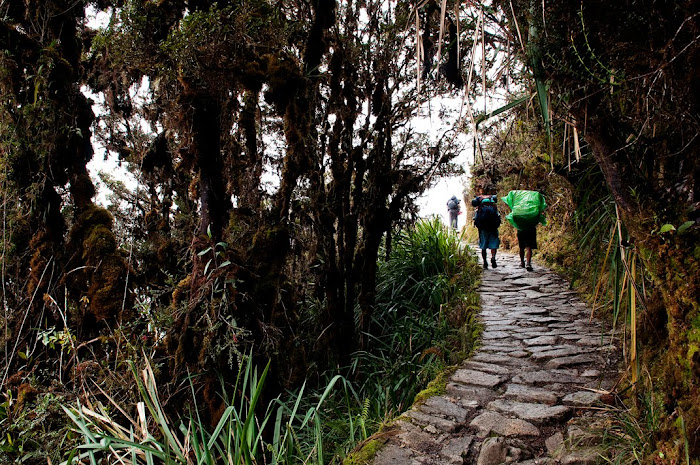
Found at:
<point>436,387</point>
<point>692,350</point>
<point>365,454</point>
<point>99,242</point>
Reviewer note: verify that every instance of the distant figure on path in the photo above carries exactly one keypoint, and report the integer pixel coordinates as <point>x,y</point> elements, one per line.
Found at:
<point>453,211</point>
<point>487,219</point>
<point>527,212</point>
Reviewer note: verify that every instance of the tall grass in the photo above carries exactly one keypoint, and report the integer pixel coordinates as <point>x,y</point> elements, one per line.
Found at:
<point>111,435</point>
<point>425,298</point>
<point>618,281</point>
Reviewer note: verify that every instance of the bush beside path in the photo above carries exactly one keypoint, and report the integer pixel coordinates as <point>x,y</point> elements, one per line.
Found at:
<point>534,393</point>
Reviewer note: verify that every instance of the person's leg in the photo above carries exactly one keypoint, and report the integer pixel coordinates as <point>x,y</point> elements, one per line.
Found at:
<point>528,258</point>
<point>493,258</point>
<point>531,245</point>
<point>521,247</point>
<point>483,255</point>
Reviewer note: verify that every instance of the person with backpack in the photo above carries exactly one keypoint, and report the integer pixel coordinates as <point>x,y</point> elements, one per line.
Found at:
<point>453,211</point>
<point>527,211</point>
<point>487,220</point>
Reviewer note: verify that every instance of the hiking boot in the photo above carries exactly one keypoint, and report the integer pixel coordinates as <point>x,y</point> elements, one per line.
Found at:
<point>528,268</point>
<point>522,264</point>
<point>486,266</point>
<point>493,263</point>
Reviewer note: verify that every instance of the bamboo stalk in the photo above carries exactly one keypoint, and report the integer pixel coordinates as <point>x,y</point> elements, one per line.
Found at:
<point>457,19</point>
<point>483,53</point>
<point>600,280</point>
<point>517,28</point>
<point>633,322</point>
<point>419,51</point>
<point>564,152</point>
<point>443,9</point>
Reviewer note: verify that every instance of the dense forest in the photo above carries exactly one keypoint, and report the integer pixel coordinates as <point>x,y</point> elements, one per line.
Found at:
<point>273,220</point>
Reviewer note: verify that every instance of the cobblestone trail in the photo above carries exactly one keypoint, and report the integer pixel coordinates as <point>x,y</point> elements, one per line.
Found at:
<point>531,393</point>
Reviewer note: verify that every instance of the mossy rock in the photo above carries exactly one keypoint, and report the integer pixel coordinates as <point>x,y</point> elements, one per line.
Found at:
<point>365,454</point>
<point>436,387</point>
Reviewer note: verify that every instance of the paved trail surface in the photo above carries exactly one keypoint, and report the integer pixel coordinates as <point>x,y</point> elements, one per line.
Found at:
<point>532,394</point>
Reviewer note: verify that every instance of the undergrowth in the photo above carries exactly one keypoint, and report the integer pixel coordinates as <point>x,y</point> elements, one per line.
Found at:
<point>424,320</point>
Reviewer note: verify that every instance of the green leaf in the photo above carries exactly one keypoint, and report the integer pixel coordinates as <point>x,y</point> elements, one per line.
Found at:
<point>666,228</point>
<point>684,226</point>
<point>204,252</point>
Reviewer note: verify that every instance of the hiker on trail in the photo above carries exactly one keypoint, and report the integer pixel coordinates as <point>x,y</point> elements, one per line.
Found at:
<point>453,211</point>
<point>487,219</point>
<point>527,211</point>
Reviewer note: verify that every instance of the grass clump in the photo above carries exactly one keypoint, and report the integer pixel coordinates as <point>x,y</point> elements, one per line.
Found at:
<point>426,296</point>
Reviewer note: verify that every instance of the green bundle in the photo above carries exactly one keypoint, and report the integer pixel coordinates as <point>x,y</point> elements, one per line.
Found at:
<point>527,209</point>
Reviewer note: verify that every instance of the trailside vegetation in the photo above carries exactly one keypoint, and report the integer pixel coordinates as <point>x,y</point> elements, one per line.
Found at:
<point>424,320</point>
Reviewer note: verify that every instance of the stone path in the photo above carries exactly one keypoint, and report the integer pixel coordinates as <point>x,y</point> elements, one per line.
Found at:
<point>534,392</point>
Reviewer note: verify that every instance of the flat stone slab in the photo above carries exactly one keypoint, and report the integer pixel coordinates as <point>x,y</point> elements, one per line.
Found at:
<point>477,378</point>
<point>499,321</point>
<point>538,461</point>
<point>569,361</point>
<point>532,295</point>
<point>535,281</point>
<point>581,457</point>
<point>439,405</point>
<point>456,449</point>
<point>593,341</point>
<point>523,393</point>
<point>524,312</point>
<point>470,395</point>
<point>498,347</point>
<point>582,398</point>
<point>447,426</point>
<point>489,335</point>
<point>541,341</point>
<point>494,358</point>
<point>393,454</point>
<point>536,413</point>
<point>519,354</point>
<point>545,319</point>
<point>488,368</point>
<point>557,352</point>
<point>493,422</point>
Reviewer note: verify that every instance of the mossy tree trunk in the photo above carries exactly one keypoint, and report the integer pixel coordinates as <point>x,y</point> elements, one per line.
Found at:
<point>76,280</point>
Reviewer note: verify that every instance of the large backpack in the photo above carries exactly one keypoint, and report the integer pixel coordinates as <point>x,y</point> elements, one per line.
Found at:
<point>527,209</point>
<point>487,217</point>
